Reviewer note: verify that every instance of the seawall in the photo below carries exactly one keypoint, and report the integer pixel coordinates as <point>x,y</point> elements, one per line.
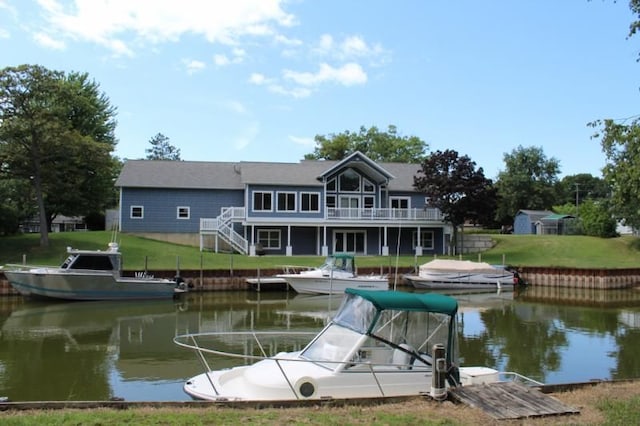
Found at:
<point>220,280</point>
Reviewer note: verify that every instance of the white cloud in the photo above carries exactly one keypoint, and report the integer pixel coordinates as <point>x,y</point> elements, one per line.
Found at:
<point>46,41</point>
<point>280,39</point>
<point>295,92</point>
<point>257,79</point>
<point>4,33</point>
<point>302,140</point>
<point>120,24</point>
<point>193,66</point>
<point>237,57</point>
<point>351,48</point>
<point>221,60</point>
<point>348,75</point>
<point>236,106</point>
<point>248,135</point>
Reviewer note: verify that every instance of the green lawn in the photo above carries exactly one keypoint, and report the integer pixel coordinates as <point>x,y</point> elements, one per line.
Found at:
<point>517,250</point>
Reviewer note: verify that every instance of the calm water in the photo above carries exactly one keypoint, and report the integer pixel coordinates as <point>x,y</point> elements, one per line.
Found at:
<point>100,350</point>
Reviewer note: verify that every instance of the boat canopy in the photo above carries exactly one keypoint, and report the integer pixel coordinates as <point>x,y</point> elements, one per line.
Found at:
<point>403,301</point>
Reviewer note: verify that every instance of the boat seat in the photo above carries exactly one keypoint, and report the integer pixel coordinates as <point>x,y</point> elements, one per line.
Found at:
<point>403,360</point>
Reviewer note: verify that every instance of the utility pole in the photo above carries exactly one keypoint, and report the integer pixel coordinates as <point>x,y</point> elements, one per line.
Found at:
<point>577,199</point>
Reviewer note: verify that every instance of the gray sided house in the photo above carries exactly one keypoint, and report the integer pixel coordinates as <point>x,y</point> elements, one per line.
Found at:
<point>306,208</point>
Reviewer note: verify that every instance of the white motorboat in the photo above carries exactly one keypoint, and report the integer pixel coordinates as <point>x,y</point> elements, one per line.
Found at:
<point>378,344</point>
<point>333,277</point>
<point>90,275</point>
<point>462,274</point>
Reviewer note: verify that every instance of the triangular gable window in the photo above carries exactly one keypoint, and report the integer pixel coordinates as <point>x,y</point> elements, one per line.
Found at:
<point>349,181</point>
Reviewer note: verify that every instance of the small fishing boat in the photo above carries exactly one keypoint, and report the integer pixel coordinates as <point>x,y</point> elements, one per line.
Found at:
<point>90,275</point>
<point>335,275</point>
<point>462,274</point>
<point>378,344</point>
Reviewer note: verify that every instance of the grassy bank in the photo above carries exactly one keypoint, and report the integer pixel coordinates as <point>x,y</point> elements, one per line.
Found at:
<point>603,404</point>
<point>517,250</point>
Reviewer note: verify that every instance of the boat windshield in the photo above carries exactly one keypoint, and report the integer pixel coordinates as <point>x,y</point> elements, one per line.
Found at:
<point>356,313</point>
<point>420,329</point>
<point>337,263</point>
<point>335,344</point>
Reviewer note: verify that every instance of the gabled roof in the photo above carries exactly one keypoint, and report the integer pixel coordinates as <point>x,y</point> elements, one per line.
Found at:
<point>236,175</point>
<point>535,215</point>
<point>362,163</point>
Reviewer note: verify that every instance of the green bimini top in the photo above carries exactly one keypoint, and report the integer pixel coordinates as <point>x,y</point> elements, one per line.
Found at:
<point>403,301</point>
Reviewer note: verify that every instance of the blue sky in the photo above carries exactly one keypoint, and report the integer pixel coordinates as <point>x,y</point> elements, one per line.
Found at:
<point>256,80</point>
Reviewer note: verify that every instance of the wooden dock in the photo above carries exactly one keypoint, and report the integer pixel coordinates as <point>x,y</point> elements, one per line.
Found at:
<point>510,400</point>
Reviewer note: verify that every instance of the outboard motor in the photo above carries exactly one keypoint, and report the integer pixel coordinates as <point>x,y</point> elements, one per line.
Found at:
<point>517,280</point>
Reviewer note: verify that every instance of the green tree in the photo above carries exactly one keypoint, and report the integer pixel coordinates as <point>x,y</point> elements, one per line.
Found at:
<point>161,149</point>
<point>528,182</point>
<point>57,133</point>
<point>454,185</point>
<point>379,146</point>
<point>575,189</point>
<point>621,145</point>
<point>620,141</point>
<point>595,219</point>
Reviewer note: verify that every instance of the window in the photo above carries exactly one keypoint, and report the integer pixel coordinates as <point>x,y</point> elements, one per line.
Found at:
<point>286,201</point>
<point>184,212</point>
<point>262,201</point>
<point>349,181</point>
<point>426,239</point>
<point>137,212</point>
<point>368,202</point>
<point>269,238</point>
<point>350,241</point>
<point>331,201</point>
<point>400,202</point>
<point>368,186</point>
<point>331,185</point>
<point>349,202</point>
<point>310,202</point>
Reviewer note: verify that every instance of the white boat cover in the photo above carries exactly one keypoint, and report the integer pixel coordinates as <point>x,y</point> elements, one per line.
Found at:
<point>452,265</point>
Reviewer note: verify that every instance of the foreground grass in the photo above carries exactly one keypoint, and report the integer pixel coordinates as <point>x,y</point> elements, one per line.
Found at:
<point>602,404</point>
<point>517,250</point>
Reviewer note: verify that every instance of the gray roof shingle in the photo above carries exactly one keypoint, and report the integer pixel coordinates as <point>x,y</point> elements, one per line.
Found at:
<point>235,175</point>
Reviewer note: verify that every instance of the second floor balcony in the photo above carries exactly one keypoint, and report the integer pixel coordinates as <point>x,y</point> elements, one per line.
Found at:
<point>386,214</point>
<point>333,215</point>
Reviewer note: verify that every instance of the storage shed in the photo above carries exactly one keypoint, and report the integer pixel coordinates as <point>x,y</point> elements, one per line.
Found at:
<point>525,221</point>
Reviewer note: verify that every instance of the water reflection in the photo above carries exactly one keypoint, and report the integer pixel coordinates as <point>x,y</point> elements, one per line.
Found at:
<point>99,350</point>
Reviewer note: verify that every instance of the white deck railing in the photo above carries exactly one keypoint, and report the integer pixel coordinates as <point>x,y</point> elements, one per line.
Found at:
<point>383,214</point>
<point>347,214</point>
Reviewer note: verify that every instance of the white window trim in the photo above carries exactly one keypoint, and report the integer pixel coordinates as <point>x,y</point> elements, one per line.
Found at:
<point>295,202</point>
<point>350,231</point>
<point>366,182</point>
<point>415,239</point>
<point>344,191</point>
<point>277,231</point>
<point>391,199</point>
<point>253,206</point>
<point>188,210</point>
<point>131,216</point>
<point>373,204</point>
<point>317,194</point>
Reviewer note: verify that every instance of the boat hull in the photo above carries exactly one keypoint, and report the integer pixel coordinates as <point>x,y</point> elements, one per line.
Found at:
<point>305,380</point>
<point>324,285</point>
<point>91,285</point>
